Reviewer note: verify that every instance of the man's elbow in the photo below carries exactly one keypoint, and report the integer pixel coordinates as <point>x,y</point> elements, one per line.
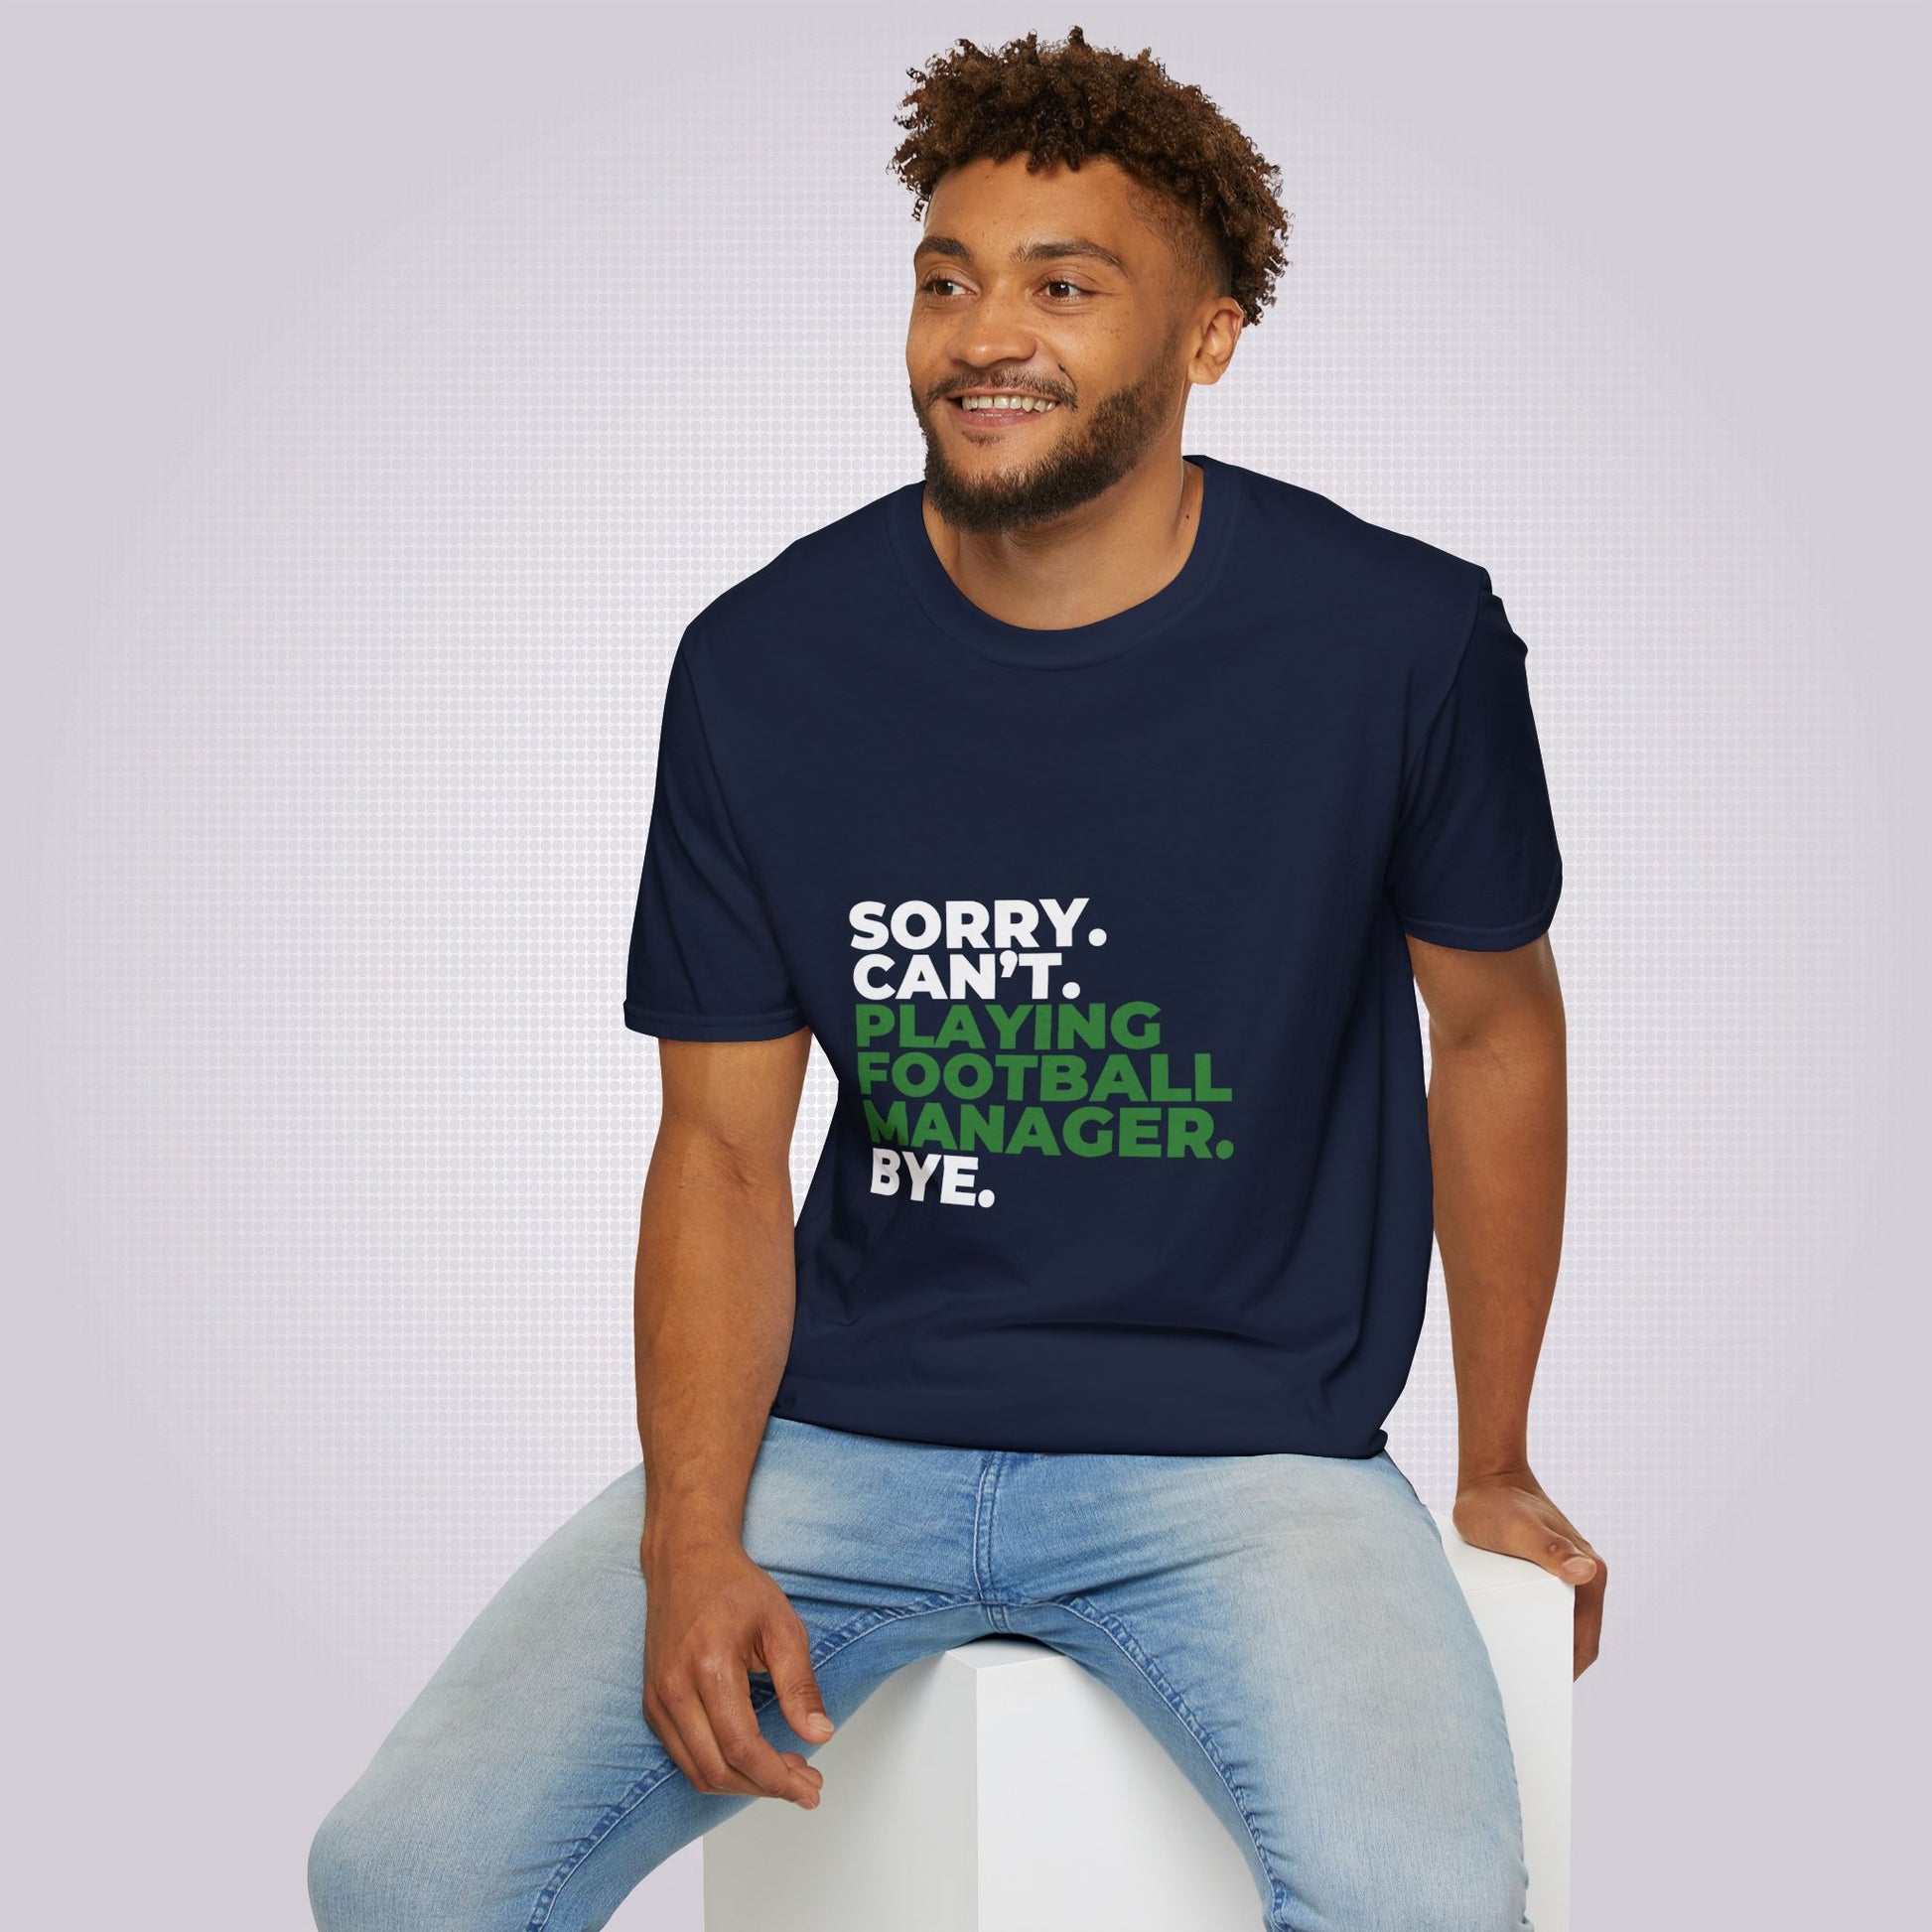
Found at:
<point>719,1155</point>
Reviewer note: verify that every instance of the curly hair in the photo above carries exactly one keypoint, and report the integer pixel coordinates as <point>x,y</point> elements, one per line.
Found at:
<point>1212,191</point>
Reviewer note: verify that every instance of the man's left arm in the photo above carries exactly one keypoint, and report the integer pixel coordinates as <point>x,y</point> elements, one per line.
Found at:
<point>1499,1149</point>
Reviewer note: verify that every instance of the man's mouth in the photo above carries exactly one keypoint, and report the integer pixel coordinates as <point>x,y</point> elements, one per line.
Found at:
<point>1001,410</point>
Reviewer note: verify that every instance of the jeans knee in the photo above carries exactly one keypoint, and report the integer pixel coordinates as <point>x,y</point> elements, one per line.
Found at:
<point>1492,1901</point>
<point>1484,1900</point>
<point>1467,1889</point>
<point>372,1869</point>
<point>338,1897</point>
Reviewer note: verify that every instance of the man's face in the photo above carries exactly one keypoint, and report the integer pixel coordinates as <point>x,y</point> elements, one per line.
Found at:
<point>1052,287</point>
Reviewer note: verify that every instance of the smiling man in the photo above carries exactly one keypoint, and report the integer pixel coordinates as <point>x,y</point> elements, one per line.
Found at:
<point>1099,807</point>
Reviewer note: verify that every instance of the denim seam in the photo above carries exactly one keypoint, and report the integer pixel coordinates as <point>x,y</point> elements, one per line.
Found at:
<point>839,1640</point>
<point>1130,1647</point>
<point>869,1620</point>
<point>983,1542</point>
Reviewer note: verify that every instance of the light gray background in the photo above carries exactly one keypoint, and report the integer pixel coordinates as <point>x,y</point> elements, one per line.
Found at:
<point>385,390</point>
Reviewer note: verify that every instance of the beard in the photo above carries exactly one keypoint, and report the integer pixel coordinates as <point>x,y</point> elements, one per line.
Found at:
<point>1083,463</point>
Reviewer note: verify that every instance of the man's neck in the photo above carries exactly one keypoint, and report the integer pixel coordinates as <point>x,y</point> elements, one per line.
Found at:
<point>1093,563</point>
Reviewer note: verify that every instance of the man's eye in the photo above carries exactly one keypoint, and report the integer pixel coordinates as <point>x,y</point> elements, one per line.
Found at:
<point>932,284</point>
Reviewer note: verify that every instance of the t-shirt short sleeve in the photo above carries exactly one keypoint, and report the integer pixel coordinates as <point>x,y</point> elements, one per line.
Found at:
<point>705,963</point>
<point>1476,862</point>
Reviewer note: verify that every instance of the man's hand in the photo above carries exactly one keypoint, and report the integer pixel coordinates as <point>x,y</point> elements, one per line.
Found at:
<point>710,1617</point>
<point>1509,1512</point>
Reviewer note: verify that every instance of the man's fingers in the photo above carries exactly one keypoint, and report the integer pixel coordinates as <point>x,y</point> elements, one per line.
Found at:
<point>699,1757</point>
<point>742,1749</point>
<point>1567,1555</point>
<point>1589,1629</point>
<point>788,1648</point>
<point>1563,1556</point>
<point>1504,1524</point>
<point>670,1734</point>
<point>1576,1563</point>
<point>1519,1522</point>
<point>1590,1619</point>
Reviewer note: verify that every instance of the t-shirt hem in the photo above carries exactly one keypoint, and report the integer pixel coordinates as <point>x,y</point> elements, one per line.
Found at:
<point>1022,1423</point>
<point>1492,938</point>
<point>712,1026</point>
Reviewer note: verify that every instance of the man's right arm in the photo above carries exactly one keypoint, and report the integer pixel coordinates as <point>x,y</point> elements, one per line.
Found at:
<point>715,1299</point>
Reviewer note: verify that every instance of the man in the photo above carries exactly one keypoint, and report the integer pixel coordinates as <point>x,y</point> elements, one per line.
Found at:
<point>1099,809</point>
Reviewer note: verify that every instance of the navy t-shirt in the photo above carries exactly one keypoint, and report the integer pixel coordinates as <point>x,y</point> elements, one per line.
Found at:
<point>1101,929</point>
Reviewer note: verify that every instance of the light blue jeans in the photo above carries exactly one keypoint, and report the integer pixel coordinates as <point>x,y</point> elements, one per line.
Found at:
<point>1287,1626</point>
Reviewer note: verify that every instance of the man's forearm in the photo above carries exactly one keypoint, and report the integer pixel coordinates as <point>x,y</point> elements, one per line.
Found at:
<point>1499,1147</point>
<point>715,1291</point>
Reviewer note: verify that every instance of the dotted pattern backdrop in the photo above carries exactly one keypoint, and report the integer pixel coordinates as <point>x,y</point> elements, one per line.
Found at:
<point>390,392</point>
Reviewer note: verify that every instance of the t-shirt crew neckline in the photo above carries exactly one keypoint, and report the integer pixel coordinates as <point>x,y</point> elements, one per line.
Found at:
<point>1074,644</point>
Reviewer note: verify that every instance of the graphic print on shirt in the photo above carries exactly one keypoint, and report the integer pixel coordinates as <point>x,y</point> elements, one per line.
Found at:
<point>1012,1060</point>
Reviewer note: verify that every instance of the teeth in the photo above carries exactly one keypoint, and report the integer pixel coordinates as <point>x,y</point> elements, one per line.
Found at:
<point>1032,405</point>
